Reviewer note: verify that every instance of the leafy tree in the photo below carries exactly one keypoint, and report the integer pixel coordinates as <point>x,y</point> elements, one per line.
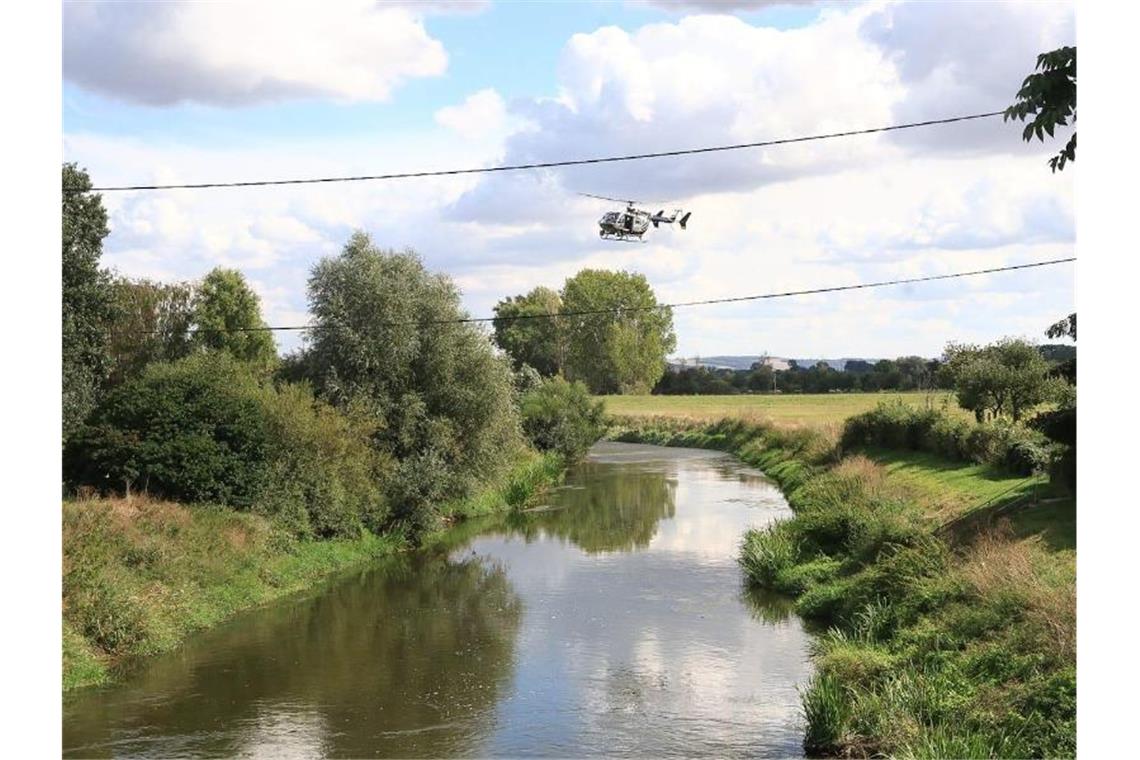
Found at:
<point>560,416</point>
<point>616,351</point>
<point>1063,328</point>
<point>387,340</point>
<point>151,323</point>
<point>1050,96</point>
<point>86,297</point>
<point>227,317</point>
<point>538,342</point>
<point>1006,378</point>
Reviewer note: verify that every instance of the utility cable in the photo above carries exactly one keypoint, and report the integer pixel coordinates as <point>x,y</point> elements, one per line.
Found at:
<point>657,307</point>
<point>538,165</point>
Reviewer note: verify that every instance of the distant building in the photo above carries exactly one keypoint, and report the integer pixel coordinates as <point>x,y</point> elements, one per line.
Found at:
<point>777,364</point>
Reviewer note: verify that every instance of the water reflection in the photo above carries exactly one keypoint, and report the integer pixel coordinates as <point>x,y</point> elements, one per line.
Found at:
<point>619,511</point>
<point>611,624</point>
<point>422,643</point>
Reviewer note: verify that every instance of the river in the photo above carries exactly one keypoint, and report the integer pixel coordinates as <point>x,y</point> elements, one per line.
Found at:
<point>610,622</point>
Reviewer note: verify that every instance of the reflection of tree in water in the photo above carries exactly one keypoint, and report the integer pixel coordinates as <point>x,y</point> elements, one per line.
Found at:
<point>767,606</point>
<point>618,510</point>
<point>404,660</point>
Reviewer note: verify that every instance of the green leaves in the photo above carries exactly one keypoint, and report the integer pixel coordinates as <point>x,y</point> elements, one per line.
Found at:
<point>1050,97</point>
<point>86,303</point>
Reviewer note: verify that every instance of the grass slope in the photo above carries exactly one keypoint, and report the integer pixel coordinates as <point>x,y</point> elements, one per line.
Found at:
<point>139,575</point>
<point>937,644</point>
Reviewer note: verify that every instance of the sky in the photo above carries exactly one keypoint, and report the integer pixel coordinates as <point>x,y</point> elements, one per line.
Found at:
<point>199,92</point>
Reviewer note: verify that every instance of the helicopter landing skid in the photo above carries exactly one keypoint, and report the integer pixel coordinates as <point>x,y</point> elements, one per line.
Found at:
<point>623,238</point>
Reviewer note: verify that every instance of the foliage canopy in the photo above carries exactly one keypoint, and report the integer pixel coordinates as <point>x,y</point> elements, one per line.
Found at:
<point>623,349</point>
<point>87,301</point>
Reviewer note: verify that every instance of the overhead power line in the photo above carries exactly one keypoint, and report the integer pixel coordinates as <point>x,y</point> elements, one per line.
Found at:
<point>635,309</point>
<point>540,165</point>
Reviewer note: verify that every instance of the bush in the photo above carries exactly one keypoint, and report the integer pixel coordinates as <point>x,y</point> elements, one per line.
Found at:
<point>203,429</point>
<point>896,425</point>
<point>560,416</point>
<point>191,431</point>
<point>324,474</point>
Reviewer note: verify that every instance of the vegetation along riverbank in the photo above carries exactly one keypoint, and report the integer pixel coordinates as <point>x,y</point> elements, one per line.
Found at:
<point>203,474</point>
<point>940,564</point>
<point>141,574</point>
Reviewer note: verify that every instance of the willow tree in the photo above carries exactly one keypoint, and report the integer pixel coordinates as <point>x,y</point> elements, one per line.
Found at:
<point>388,341</point>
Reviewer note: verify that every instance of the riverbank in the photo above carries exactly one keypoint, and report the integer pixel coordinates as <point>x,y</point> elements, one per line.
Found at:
<point>140,575</point>
<point>950,631</point>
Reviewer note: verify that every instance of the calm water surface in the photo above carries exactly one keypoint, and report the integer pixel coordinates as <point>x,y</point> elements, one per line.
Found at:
<point>611,623</point>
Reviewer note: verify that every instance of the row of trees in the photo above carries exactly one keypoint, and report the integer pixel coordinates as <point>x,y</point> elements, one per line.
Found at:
<point>605,329</point>
<point>903,374</point>
<point>114,326</point>
<point>392,408</point>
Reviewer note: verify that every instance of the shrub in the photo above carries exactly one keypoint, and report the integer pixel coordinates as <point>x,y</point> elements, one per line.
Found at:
<point>1014,447</point>
<point>560,416</point>
<point>193,430</point>
<point>324,474</point>
<point>203,429</point>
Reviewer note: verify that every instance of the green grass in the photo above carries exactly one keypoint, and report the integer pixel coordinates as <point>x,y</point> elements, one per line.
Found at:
<point>949,489</point>
<point>939,643</point>
<point>791,409</point>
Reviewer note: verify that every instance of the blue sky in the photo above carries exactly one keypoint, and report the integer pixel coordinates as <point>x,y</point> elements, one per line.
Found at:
<point>198,92</point>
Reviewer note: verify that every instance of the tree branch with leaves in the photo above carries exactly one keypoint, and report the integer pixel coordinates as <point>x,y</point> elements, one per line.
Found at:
<point>1049,95</point>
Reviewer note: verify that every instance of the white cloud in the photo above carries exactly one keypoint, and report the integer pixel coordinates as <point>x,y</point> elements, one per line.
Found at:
<point>958,58</point>
<point>704,80</point>
<point>721,6</point>
<point>235,54</point>
<point>482,114</point>
<point>791,217</point>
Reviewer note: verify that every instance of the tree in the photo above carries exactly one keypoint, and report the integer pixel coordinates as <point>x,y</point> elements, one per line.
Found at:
<point>227,317</point>
<point>151,323</point>
<point>538,342</point>
<point>560,416</point>
<point>1006,378</point>
<point>1063,328</point>
<point>622,350</point>
<point>1050,96</point>
<point>86,297</point>
<point>387,340</point>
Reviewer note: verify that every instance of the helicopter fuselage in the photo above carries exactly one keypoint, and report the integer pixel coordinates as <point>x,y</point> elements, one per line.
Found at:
<point>630,224</point>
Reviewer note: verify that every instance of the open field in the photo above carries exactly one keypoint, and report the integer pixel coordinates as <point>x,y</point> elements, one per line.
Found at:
<point>794,409</point>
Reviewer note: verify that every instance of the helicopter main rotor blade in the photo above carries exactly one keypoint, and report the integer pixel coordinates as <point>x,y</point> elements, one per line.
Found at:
<point>606,198</point>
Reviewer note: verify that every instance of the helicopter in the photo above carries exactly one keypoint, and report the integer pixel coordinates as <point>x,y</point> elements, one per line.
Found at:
<point>628,226</point>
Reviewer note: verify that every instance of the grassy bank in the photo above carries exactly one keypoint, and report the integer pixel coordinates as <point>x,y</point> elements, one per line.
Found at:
<point>816,409</point>
<point>141,575</point>
<point>939,642</point>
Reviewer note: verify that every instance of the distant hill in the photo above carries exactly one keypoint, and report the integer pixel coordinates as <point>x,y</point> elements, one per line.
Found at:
<point>746,362</point>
